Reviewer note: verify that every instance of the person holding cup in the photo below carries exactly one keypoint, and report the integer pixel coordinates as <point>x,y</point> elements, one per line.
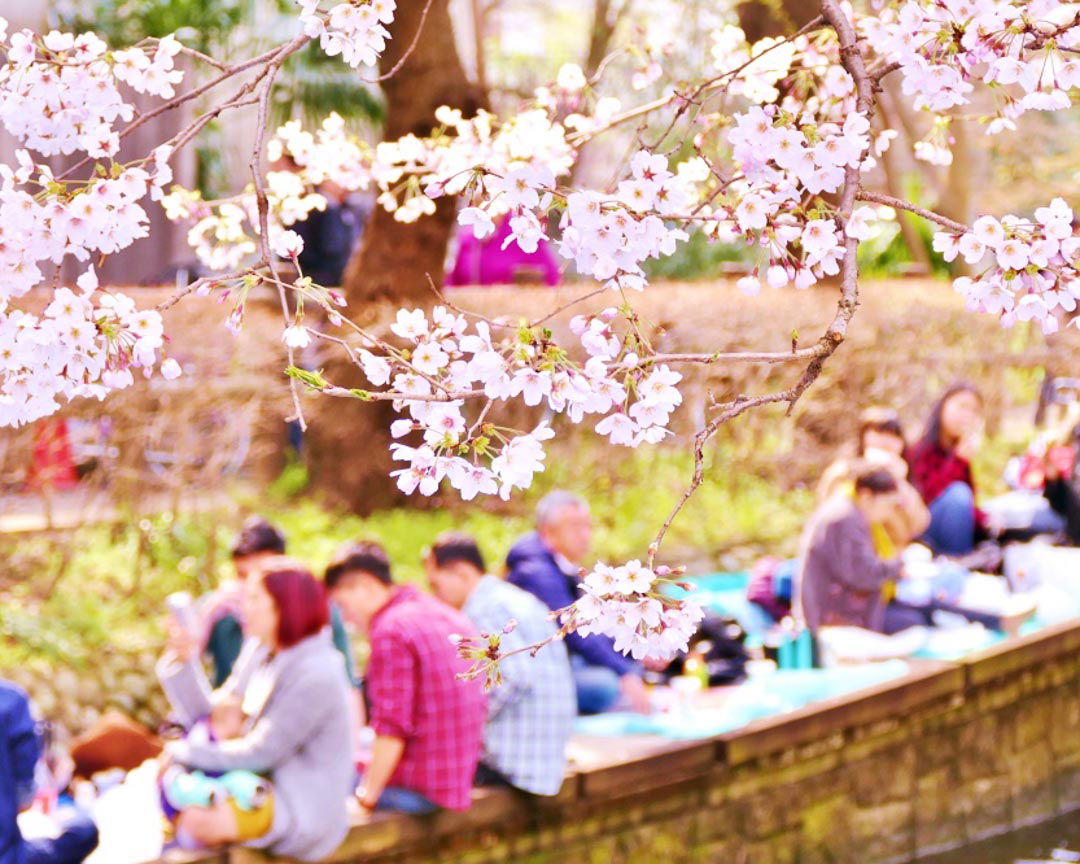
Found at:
<point>941,471</point>
<point>881,443</point>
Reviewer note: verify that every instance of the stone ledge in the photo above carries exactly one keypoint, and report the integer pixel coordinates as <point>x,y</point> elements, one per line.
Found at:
<point>1023,652</point>
<point>821,720</point>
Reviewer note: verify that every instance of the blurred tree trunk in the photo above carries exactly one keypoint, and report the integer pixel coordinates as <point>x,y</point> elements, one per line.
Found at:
<point>604,24</point>
<point>761,18</point>
<point>894,173</point>
<point>957,197</point>
<point>395,259</point>
<point>347,441</point>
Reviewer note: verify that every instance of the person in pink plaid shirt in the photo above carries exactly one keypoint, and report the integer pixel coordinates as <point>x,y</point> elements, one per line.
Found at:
<point>428,723</point>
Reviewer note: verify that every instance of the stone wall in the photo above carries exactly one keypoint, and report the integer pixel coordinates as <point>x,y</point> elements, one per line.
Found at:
<point>952,753</point>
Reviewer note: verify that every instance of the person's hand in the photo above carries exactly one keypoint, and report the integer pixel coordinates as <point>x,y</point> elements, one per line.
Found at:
<point>367,802</point>
<point>180,645</point>
<point>969,445</point>
<point>634,693</point>
<point>995,525</point>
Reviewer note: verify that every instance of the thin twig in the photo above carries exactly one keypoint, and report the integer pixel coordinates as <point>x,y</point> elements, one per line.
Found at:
<point>408,51</point>
<point>898,204</point>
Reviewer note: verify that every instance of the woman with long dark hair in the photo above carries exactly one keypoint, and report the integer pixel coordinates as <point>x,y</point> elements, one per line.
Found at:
<point>941,471</point>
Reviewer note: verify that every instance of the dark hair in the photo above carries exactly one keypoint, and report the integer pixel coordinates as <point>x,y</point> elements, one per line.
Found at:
<point>876,481</point>
<point>365,556</point>
<point>455,546</point>
<point>300,600</point>
<point>932,432</point>
<point>879,420</point>
<point>258,536</point>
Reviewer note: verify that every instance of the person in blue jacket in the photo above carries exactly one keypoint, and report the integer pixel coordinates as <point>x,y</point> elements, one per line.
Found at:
<point>19,754</point>
<point>546,563</point>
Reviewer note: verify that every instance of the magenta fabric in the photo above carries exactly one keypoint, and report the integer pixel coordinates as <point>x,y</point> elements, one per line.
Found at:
<point>485,262</point>
<point>415,695</point>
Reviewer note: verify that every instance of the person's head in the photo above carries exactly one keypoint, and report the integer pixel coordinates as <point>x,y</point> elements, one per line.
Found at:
<point>359,580</point>
<point>454,566</point>
<point>563,522</point>
<point>283,603</point>
<point>257,541</point>
<point>875,493</point>
<point>880,429</point>
<point>955,416</point>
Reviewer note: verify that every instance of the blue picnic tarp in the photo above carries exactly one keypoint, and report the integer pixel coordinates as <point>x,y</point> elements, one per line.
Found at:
<point>761,696</point>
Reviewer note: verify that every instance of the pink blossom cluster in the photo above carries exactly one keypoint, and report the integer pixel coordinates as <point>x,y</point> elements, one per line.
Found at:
<point>782,160</point>
<point>1031,268</point>
<point>354,30</point>
<point>60,93</point>
<point>81,345</point>
<point>447,363</point>
<point>1016,46</point>
<point>626,603</point>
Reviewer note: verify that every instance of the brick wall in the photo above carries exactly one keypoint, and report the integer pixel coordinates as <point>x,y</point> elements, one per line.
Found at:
<point>952,753</point>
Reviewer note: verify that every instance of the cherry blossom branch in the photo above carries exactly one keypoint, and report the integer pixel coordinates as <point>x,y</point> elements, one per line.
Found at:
<point>566,306</point>
<point>408,51</point>
<point>899,204</point>
<point>853,61</point>
<point>740,356</point>
<point>183,98</point>
<point>713,83</point>
<point>193,287</point>
<point>263,203</point>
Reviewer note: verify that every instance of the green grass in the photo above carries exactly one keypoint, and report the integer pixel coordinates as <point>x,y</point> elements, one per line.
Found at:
<point>109,582</point>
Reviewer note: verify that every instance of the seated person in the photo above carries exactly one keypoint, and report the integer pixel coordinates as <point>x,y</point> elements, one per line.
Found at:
<point>297,730</point>
<point>881,442</point>
<point>941,471</point>
<point>1062,487</point>
<point>220,612</point>
<point>20,751</point>
<point>842,577</point>
<point>248,793</point>
<point>531,711</point>
<point>545,563</point>
<point>428,723</point>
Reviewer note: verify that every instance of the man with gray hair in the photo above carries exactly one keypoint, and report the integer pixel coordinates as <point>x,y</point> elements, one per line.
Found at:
<point>546,563</point>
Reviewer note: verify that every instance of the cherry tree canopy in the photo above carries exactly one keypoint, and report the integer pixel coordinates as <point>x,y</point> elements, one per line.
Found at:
<point>776,139</point>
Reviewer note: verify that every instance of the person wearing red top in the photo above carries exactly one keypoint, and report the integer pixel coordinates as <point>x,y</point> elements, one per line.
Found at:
<point>428,722</point>
<point>941,471</point>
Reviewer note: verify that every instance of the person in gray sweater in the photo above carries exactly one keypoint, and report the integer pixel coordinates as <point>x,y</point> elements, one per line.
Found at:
<point>298,734</point>
<point>842,579</point>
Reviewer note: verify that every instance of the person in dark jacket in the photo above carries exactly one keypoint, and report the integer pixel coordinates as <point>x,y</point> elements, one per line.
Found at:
<point>330,236</point>
<point>20,750</point>
<point>546,563</point>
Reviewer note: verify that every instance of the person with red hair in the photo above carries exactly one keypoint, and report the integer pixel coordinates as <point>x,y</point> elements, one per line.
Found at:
<point>297,726</point>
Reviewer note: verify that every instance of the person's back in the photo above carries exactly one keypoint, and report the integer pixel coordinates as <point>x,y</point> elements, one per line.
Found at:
<point>531,714</point>
<point>75,837</point>
<point>841,577</point>
<point>18,756</point>
<point>415,694</point>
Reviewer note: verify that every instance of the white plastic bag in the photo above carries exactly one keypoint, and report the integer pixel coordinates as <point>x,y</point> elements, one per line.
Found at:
<point>129,819</point>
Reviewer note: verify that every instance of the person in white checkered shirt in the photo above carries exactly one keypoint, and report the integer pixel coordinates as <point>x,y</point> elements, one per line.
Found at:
<point>531,713</point>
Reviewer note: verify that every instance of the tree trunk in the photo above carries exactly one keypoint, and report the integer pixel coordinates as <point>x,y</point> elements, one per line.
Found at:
<point>761,18</point>
<point>348,442</point>
<point>957,199</point>
<point>395,259</point>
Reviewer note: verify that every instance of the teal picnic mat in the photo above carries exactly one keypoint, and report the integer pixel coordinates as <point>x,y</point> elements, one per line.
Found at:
<point>765,696</point>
